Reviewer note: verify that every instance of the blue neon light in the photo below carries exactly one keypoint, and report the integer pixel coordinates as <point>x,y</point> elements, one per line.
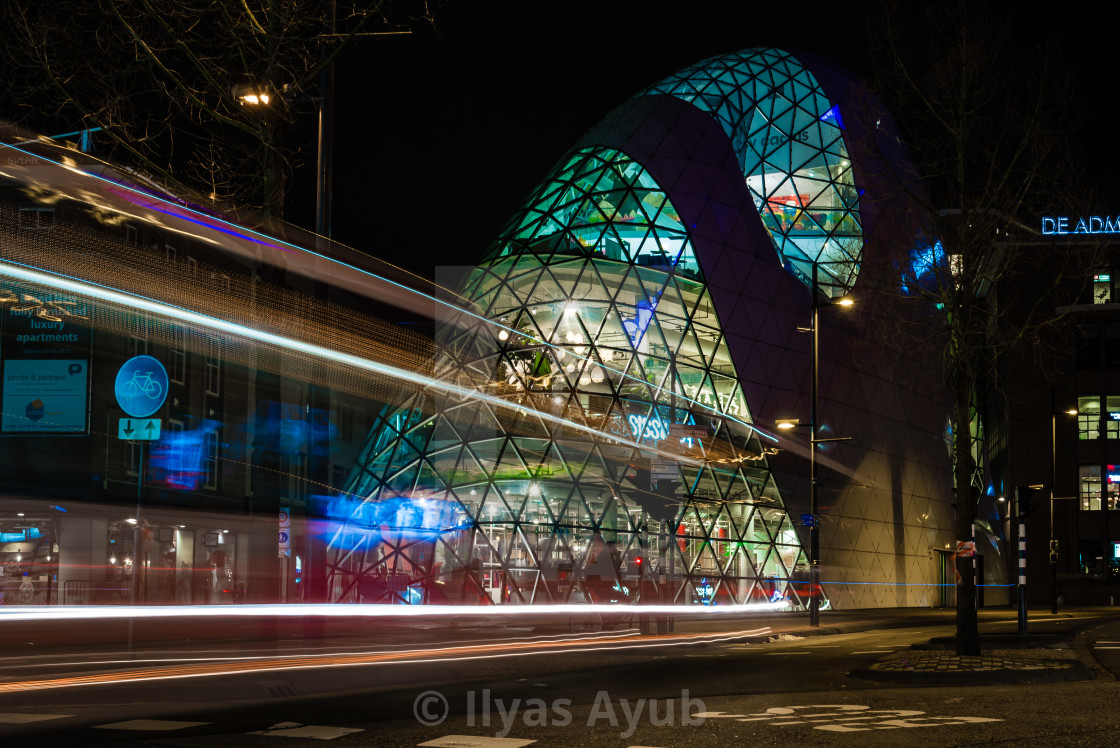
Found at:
<point>832,116</point>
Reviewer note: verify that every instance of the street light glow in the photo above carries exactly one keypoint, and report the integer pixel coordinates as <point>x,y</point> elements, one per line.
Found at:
<point>787,423</point>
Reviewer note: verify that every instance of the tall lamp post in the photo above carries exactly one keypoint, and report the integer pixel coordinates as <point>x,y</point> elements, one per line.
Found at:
<point>1053,498</point>
<point>789,423</point>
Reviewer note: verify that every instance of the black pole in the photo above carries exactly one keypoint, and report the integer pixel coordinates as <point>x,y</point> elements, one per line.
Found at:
<point>1053,480</point>
<point>814,534</point>
<point>1021,499</point>
<point>325,150</point>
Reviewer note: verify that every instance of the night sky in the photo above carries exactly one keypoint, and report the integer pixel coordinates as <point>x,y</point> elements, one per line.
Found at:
<point>440,138</point>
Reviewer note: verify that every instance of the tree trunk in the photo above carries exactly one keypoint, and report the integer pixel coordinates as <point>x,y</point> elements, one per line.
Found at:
<point>968,632</point>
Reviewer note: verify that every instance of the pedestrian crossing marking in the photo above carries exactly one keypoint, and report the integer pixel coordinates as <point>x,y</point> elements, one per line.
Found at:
<point>23,719</point>
<point>296,730</point>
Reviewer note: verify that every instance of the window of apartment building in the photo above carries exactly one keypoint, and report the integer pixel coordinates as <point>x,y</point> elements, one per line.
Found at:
<point>214,368</point>
<point>1112,345</point>
<point>36,218</point>
<point>1088,348</point>
<point>1089,417</point>
<point>1102,288</point>
<point>1089,486</point>
<point>138,336</point>
<point>177,371</point>
<point>210,460</point>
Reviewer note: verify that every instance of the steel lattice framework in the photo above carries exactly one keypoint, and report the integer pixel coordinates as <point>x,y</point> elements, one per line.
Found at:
<point>788,137</point>
<point>602,316</point>
<point>629,469</point>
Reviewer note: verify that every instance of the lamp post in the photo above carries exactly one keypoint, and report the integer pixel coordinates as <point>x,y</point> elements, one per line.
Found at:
<point>1053,498</point>
<point>789,423</point>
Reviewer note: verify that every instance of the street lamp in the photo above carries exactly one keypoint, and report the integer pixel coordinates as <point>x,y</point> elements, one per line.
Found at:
<point>259,96</point>
<point>789,423</point>
<point>1053,498</point>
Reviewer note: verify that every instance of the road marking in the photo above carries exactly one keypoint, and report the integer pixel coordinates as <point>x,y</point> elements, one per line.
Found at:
<point>872,652</point>
<point>23,719</point>
<point>775,654</point>
<point>295,730</point>
<point>848,717</point>
<point>149,724</point>
<point>475,741</point>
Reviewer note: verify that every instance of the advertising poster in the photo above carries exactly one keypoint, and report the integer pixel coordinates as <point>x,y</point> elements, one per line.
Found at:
<point>45,364</point>
<point>44,395</point>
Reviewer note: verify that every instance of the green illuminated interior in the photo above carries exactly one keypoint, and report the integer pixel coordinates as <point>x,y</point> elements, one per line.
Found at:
<point>789,141</point>
<point>598,313</point>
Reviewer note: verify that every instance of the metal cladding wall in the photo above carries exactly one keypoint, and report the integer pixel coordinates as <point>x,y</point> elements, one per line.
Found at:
<point>886,495</point>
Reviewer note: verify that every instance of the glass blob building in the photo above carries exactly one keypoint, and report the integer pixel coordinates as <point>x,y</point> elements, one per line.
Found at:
<point>622,337</point>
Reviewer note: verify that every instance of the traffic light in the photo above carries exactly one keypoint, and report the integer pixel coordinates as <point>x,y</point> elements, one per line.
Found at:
<point>1023,498</point>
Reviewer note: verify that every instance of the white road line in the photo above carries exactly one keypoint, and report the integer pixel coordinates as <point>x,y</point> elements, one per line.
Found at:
<point>23,719</point>
<point>149,724</point>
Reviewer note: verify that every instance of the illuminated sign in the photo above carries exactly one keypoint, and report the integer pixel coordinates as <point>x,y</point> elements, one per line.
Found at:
<point>141,386</point>
<point>1102,278</point>
<point>1061,225</point>
<point>44,395</point>
<point>645,427</point>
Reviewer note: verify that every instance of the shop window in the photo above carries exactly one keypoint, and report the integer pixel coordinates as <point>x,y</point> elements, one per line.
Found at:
<point>1090,560</point>
<point>1102,288</point>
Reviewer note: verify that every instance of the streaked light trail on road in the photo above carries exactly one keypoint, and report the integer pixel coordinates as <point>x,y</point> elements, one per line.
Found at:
<point>494,650</point>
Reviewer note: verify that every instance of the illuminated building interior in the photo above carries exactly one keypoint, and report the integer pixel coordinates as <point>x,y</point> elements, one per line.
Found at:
<point>788,137</point>
<point>601,312</point>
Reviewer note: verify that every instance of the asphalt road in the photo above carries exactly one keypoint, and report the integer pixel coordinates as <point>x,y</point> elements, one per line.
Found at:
<point>791,691</point>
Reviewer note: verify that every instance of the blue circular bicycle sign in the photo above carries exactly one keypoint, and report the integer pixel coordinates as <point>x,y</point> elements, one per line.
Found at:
<point>141,386</point>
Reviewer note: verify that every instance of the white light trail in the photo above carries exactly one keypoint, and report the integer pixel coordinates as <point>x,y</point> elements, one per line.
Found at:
<point>85,288</point>
<point>214,223</point>
<point>367,610</point>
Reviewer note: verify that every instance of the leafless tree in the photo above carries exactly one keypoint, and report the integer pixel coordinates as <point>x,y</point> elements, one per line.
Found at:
<point>171,82</point>
<point>988,125</point>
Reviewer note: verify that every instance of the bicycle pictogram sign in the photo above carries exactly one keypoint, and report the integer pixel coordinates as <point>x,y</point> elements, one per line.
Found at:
<point>141,386</point>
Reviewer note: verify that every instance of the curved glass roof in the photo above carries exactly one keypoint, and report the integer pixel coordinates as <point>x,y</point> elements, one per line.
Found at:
<point>788,138</point>
<point>600,204</point>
